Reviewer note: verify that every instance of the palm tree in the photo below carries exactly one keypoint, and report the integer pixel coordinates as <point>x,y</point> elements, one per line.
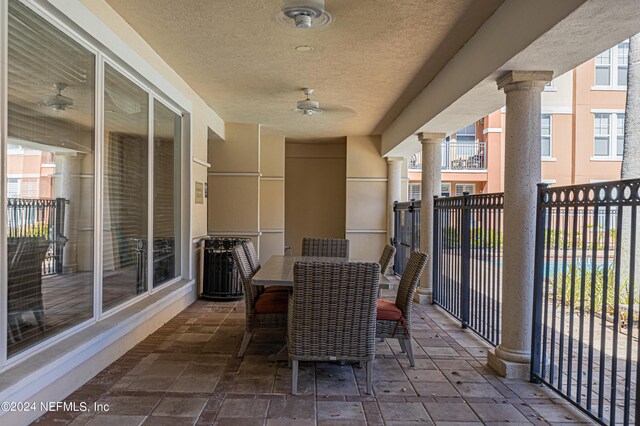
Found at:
<point>631,155</point>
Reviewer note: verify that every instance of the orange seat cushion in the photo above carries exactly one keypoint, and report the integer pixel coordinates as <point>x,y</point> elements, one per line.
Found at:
<point>272,303</point>
<point>388,311</point>
<point>276,288</point>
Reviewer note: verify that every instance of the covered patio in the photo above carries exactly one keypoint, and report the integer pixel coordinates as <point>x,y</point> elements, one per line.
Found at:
<point>161,124</point>
<point>187,372</point>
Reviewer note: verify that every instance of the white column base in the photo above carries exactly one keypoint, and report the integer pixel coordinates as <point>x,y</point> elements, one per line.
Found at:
<point>508,369</point>
<point>423,296</point>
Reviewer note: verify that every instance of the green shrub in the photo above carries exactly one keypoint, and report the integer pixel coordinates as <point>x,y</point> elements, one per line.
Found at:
<point>594,287</point>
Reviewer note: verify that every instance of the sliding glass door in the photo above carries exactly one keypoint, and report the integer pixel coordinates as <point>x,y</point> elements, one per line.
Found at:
<point>125,189</point>
<point>93,182</point>
<point>50,180</point>
<point>166,193</point>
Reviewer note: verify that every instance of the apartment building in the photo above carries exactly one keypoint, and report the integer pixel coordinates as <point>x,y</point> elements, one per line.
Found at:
<point>582,133</point>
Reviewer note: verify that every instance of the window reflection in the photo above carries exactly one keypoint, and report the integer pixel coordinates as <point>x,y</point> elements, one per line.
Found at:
<point>126,153</point>
<point>166,194</point>
<point>50,180</point>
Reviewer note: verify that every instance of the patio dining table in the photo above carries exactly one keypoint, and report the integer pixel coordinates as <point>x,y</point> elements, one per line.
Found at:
<point>278,270</point>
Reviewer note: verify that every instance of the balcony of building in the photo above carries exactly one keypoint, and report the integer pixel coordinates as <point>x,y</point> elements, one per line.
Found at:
<point>457,157</point>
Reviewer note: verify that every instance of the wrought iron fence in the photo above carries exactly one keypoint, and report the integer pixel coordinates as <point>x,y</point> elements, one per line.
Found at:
<point>467,261</point>
<point>586,304</point>
<point>30,217</point>
<point>407,232</point>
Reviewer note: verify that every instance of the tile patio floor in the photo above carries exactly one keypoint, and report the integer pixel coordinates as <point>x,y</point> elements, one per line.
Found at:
<point>187,373</point>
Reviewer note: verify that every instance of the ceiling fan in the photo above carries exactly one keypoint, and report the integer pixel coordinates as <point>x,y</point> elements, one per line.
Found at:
<point>58,102</point>
<point>308,107</point>
<point>304,14</point>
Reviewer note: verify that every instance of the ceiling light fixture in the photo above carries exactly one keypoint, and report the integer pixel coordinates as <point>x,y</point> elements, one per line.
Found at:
<point>308,107</point>
<point>305,13</point>
<point>58,102</point>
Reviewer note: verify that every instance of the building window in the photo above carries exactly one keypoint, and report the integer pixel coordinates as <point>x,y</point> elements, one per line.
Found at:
<point>23,187</point>
<point>468,134</point>
<point>445,189</point>
<point>13,188</point>
<point>619,134</point>
<point>611,66</point>
<point>622,64</point>
<point>608,134</point>
<point>465,187</point>
<point>545,132</point>
<point>29,188</point>
<point>415,191</point>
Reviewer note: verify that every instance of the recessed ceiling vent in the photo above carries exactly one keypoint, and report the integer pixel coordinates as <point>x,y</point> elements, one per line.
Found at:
<point>304,13</point>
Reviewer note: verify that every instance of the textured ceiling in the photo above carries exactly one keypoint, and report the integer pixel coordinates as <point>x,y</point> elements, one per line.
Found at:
<point>368,64</point>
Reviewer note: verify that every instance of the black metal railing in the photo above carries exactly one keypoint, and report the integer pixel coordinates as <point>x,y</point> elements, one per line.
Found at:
<point>28,217</point>
<point>407,232</point>
<point>467,261</point>
<point>457,156</point>
<point>586,304</point>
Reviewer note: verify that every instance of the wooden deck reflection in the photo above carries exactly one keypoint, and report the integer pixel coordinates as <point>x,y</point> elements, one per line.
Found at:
<point>68,301</point>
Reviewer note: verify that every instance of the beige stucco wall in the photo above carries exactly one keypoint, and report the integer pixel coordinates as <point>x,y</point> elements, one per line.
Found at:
<point>557,169</point>
<point>315,188</point>
<point>366,197</point>
<point>234,182</point>
<point>271,195</point>
<point>560,95</point>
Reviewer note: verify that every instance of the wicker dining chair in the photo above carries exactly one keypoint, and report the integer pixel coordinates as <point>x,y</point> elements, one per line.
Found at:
<point>254,262</point>
<point>325,247</point>
<point>24,281</point>
<point>252,255</point>
<point>263,310</point>
<point>332,314</point>
<point>387,258</point>
<point>394,319</point>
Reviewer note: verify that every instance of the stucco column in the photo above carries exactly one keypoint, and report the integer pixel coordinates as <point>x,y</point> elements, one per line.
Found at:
<point>68,167</point>
<point>431,182</point>
<point>522,173</point>
<point>394,189</point>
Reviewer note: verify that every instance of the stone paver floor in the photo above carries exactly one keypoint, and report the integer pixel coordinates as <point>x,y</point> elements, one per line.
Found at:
<point>187,373</point>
